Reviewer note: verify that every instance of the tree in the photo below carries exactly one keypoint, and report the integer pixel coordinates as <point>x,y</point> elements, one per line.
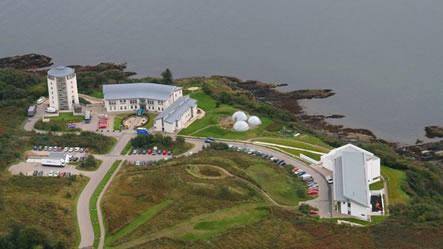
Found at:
<point>90,162</point>
<point>180,140</point>
<point>225,98</point>
<point>167,77</point>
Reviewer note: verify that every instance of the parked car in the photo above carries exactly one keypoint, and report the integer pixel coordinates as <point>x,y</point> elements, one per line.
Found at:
<point>51,110</point>
<point>209,140</point>
<point>300,172</point>
<point>313,212</point>
<point>81,159</point>
<point>40,100</point>
<point>313,192</point>
<point>169,152</point>
<point>150,151</point>
<point>63,174</point>
<point>51,173</point>
<point>76,149</point>
<point>165,152</point>
<point>144,152</point>
<point>35,147</point>
<point>159,152</point>
<point>71,149</point>
<point>82,149</point>
<point>35,173</point>
<point>154,152</point>
<point>40,173</point>
<point>329,179</point>
<point>40,147</point>
<point>66,149</point>
<point>137,163</point>
<point>134,152</point>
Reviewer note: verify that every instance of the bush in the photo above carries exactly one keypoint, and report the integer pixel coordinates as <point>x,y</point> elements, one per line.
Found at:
<point>89,162</point>
<point>218,146</point>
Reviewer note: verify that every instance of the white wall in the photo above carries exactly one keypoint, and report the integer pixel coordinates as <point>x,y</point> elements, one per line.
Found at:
<point>356,210</point>
<point>71,92</point>
<point>373,167</point>
<point>154,106</point>
<point>180,124</point>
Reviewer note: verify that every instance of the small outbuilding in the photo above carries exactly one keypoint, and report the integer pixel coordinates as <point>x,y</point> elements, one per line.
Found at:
<point>254,120</point>
<point>241,126</point>
<point>239,116</point>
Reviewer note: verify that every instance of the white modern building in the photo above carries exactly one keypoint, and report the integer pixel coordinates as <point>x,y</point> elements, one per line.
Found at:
<point>133,96</point>
<point>182,112</point>
<point>351,189</point>
<point>62,88</point>
<point>372,162</point>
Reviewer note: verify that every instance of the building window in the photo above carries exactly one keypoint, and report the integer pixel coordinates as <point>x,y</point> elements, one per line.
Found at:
<point>150,102</point>
<point>349,212</point>
<point>133,101</point>
<point>349,204</point>
<point>112,103</point>
<point>123,101</point>
<point>158,108</point>
<point>160,102</point>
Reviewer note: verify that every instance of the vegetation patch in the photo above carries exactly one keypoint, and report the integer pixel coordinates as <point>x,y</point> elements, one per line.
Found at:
<point>395,179</point>
<point>93,202</point>
<point>377,185</point>
<point>293,143</point>
<point>60,122</point>
<point>178,146</point>
<point>297,153</point>
<point>205,171</point>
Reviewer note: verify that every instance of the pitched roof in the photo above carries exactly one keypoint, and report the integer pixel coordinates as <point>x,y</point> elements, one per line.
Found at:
<point>57,155</point>
<point>174,111</point>
<point>138,91</point>
<point>350,178</point>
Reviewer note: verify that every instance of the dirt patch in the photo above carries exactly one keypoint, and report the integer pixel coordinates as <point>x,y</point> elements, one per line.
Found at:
<point>226,122</point>
<point>128,121</point>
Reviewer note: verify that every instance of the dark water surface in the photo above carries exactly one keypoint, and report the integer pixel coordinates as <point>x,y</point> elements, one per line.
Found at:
<point>384,58</point>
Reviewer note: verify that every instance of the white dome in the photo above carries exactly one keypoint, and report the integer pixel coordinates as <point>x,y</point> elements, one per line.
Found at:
<point>239,116</point>
<point>254,120</point>
<point>241,126</point>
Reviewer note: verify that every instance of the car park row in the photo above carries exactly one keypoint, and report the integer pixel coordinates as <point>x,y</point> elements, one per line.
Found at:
<point>254,152</point>
<point>59,149</point>
<point>52,173</point>
<point>154,151</point>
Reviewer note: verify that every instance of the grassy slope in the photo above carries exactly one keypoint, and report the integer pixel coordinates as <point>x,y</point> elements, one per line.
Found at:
<point>41,202</point>
<point>293,143</point>
<point>93,202</point>
<point>276,183</point>
<point>395,179</point>
<point>144,217</point>
<point>298,152</point>
<point>377,185</point>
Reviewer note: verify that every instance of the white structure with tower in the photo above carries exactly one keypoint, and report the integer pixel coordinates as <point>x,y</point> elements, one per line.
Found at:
<point>62,88</point>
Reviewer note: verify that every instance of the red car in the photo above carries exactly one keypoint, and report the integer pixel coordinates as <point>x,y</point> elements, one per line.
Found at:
<point>313,192</point>
<point>313,211</point>
<point>63,174</point>
<point>150,151</point>
<point>165,152</point>
<point>103,126</point>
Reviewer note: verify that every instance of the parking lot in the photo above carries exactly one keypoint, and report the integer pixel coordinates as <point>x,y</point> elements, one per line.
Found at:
<point>28,169</point>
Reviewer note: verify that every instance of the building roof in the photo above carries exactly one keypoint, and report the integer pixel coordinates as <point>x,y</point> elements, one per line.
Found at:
<point>138,91</point>
<point>350,178</point>
<point>174,111</point>
<point>350,148</point>
<point>60,71</point>
<point>57,155</point>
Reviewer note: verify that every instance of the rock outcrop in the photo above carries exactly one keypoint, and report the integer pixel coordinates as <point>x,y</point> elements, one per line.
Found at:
<point>27,61</point>
<point>434,131</point>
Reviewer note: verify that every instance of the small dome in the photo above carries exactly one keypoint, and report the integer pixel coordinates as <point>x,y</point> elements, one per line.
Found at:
<point>254,120</point>
<point>241,126</point>
<point>239,116</point>
<point>60,71</point>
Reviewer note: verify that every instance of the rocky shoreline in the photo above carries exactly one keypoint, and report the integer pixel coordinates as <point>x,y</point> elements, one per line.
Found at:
<point>261,91</point>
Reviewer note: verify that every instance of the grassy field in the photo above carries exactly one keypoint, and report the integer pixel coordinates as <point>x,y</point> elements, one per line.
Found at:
<point>60,122</point>
<point>46,203</point>
<point>394,179</point>
<point>118,120</point>
<point>276,183</point>
<point>126,149</point>
<point>294,143</point>
<point>150,123</point>
<point>298,152</point>
<point>144,217</point>
<point>93,202</point>
<point>377,185</point>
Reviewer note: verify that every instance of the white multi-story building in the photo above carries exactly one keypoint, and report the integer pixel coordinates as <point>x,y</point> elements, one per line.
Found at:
<point>372,162</point>
<point>133,96</point>
<point>62,88</point>
<point>353,169</point>
<point>176,116</point>
<point>175,110</point>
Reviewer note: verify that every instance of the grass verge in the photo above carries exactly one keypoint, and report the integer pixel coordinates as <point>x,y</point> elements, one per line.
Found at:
<point>394,179</point>
<point>93,202</point>
<point>144,217</point>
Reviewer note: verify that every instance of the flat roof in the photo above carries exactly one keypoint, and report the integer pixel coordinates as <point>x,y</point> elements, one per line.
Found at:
<point>60,71</point>
<point>174,111</point>
<point>138,91</point>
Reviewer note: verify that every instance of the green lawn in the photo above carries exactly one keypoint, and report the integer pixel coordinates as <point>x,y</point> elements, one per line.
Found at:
<point>93,202</point>
<point>205,102</point>
<point>282,187</point>
<point>97,94</point>
<point>59,123</point>
<point>144,217</point>
<point>395,179</point>
<point>150,123</point>
<point>118,120</point>
<point>218,132</point>
<point>298,152</point>
<point>125,150</point>
<point>312,140</point>
<point>293,143</point>
<point>377,185</point>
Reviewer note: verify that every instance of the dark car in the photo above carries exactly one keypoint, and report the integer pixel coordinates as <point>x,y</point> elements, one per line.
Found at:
<point>209,140</point>
<point>159,152</point>
<point>40,147</point>
<point>144,152</point>
<point>139,151</point>
<point>35,147</point>
<point>169,152</point>
<point>75,159</point>
<point>35,173</point>
<point>40,173</point>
